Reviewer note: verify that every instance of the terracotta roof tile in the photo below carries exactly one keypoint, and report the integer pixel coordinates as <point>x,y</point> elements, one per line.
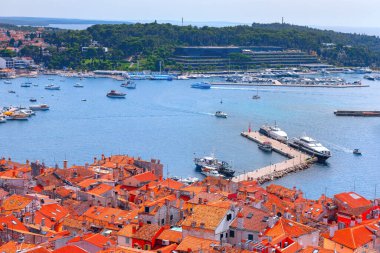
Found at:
<point>195,244</point>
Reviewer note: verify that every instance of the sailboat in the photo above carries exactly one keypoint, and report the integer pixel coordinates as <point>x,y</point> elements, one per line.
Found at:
<point>257,95</point>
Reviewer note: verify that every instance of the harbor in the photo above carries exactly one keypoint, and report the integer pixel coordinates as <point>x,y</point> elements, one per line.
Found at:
<point>297,160</point>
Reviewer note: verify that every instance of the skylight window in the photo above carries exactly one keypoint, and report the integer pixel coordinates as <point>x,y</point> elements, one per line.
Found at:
<point>354,196</point>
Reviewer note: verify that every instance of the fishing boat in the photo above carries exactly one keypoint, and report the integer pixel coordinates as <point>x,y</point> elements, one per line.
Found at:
<point>11,91</point>
<point>257,95</point>
<point>52,87</point>
<point>78,85</point>
<point>25,85</point>
<point>220,114</point>
<point>41,107</point>
<point>356,151</point>
<point>201,85</point>
<point>265,146</point>
<point>129,85</point>
<point>115,94</point>
<point>33,100</point>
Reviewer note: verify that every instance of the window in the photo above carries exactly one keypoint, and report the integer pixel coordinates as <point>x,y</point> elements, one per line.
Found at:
<point>147,209</point>
<point>229,216</point>
<point>127,240</point>
<point>250,237</point>
<point>171,217</point>
<point>232,233</point>
<point>221,236</point>
<point>148,222</point>
<point>162,221</point>
<point>147,247</point>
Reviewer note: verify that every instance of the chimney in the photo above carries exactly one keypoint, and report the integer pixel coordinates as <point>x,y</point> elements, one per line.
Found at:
<point>274,209</point>
<point>86,166</point>
<point>202,225</point>
<point>95,160</point>
<point>134,230</point>
<point>65,164</point>
<point>103,157</point>
<point>359,219</point>
<point>353,221</point>
<point>265,197</point>
<point>27,162</point>
<point>208,188</point>
<point>200,201</point>
<point>332,229</point>
<point>240,221</point>
<point>113,219</point>
<point>325,219</point>
<point>43,222</point>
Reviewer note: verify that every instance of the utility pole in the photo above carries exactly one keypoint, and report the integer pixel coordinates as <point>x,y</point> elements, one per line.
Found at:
<point>182,21</point>
<point>282,20</point>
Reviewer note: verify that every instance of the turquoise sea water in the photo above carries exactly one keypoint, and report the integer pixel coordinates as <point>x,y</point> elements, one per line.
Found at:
<point>172,122</point>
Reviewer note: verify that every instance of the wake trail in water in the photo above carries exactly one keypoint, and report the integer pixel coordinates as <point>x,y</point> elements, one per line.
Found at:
<point>338,147</point>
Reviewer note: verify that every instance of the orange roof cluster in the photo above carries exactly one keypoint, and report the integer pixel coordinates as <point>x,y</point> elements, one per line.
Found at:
<point>205,216</point>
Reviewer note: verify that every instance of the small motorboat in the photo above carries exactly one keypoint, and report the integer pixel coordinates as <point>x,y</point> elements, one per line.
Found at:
<point>201,85</point>
<point>356,151</point>
<point>2,119</point>
<point>210,172</point>
<point>25,85</point>
<point>78,85</point>
<point>52,87</point>
<point>129,85</point>
<point>220,114</point>
<point>7,82</point>
<point>41,107</point>
<point>116,94</point>
<point>265,146</point>
<point>32,100</point>
<point>11,91</point>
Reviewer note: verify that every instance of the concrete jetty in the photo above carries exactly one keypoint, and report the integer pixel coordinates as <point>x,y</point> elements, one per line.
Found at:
<point>297,161</point>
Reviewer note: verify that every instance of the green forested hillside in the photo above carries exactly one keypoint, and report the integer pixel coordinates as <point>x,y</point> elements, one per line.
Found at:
<point>152,42</point>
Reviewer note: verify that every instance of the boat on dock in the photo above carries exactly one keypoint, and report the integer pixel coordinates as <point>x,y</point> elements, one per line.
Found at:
<point>274,132</point>
<point>52,87</point>
<point>201,85</point>
<point>116,94</point>
<point>265,146</point>
<point>41,107</point>
<point>311,147</point>
<point>220,114</point>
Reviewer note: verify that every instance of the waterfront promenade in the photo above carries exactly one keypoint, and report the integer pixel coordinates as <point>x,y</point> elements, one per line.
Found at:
<point>278,84</point>
<point>297,160</point>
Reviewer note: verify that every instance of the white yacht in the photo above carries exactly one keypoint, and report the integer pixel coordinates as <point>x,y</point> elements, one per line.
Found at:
<point>41,107</point>
<point>220,114</point>
<point>274,132</point>
<point>52,87</point>
<point>312,147</point>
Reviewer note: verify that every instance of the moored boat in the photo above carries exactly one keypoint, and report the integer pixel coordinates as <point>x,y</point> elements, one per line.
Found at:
<point>222,167</point>
<point>129,85</point>
<point>78,85</point>
<point>274,132</point>
<point>266,146</point>
<point>311,147</point>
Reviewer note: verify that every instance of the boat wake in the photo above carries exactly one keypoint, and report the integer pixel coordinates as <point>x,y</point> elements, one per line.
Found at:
<point>338,147</point>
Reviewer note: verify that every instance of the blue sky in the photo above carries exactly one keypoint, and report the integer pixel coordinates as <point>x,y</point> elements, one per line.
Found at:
<point>353,13</point>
